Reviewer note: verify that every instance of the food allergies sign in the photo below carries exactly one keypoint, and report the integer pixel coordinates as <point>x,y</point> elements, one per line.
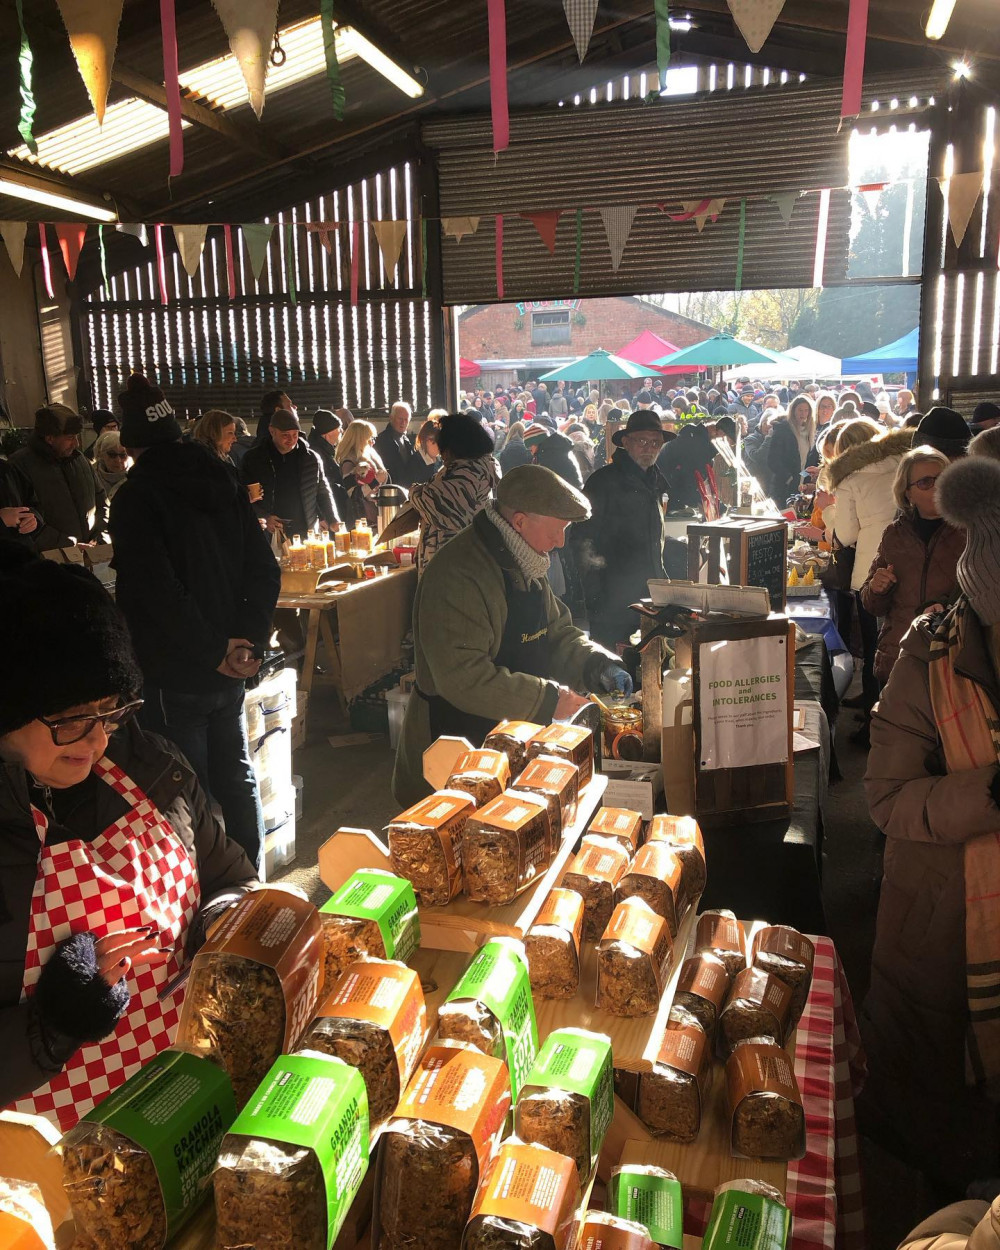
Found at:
<point>743,702</point>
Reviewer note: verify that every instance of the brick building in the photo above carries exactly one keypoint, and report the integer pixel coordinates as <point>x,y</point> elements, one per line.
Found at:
<point>514,341</point>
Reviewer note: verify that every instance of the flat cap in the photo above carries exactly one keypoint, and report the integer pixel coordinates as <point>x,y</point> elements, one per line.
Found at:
<point>57,419</point>
<point>533,488</point>
<point>283,420</point>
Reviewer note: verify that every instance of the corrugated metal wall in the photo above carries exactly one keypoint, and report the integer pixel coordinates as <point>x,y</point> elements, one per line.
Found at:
<point>741,139</point>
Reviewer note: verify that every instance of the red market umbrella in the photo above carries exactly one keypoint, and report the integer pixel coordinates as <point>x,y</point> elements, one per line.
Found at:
<point>469,368</point>
<point>649,347</point>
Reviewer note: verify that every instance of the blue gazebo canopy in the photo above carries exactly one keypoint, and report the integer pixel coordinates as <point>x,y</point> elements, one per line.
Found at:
<point>898,357</point>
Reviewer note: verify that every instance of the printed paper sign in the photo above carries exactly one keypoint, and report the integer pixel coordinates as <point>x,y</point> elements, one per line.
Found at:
<point>743,702</point>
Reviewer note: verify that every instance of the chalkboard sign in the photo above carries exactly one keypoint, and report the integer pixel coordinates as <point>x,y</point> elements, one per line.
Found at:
<point>764,562</point>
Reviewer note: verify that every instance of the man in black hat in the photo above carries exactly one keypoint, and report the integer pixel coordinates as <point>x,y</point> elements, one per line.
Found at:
<point>945,430</point>
<point>324,436</point>
<point>66,490</point>
<point>296,493</point>
<point>621,547</point>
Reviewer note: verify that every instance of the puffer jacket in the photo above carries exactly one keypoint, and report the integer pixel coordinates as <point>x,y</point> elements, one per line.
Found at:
<point>861,478</point>
<point>925,574</point>
<point>450,500</point>
<point>689,453</point>
<point>914,1022</point>
<point>335,478</point>
<point>68,494</point>
<point>158,768</point>
<point>556,453</point>
<point>260,465</point>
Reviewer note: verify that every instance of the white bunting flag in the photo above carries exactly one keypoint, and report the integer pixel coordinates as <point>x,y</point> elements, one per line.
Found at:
<point>458,227</point>
<point>190,244</point>
<point>785,202</point>
<point>136,229</point>
<point>580,15</point>
<point>755,19</point>
<point>961,191</point>
<point>12,233</point>
<point>390,236</point>
<point>92,26</point>
<point>250,27</point>
<point>618,226</point>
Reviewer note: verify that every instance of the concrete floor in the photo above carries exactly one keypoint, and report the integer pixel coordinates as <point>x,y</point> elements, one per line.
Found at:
<point>350,785</point>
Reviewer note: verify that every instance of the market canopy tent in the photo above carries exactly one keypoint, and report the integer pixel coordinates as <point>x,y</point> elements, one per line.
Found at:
<point>599,366</point>
<point>723,349</point>
<point>468,368</point>
<point>646,348</point>
<point>897,357</point>
<point>800,363</point>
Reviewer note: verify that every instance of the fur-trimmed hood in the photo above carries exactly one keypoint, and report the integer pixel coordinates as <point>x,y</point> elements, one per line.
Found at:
<point>891,443</point>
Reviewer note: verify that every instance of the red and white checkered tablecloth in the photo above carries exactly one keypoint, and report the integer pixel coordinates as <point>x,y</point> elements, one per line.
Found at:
<point>824,1187</point>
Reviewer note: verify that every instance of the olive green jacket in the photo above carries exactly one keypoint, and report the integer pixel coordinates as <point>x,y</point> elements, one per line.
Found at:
<point>459,615</point>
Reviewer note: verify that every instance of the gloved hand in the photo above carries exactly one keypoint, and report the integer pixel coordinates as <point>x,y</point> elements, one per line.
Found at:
<point>613,679</point>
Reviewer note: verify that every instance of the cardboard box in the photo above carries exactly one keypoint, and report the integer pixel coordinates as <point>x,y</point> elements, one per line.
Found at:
<point>638,787</point>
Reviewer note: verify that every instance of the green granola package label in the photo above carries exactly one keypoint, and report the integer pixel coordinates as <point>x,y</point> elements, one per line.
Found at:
<point>498,978</point>
<point>651,1197</point>
<point>177,1108</point>
<point>371,894</point>
<point>745,1218</point>
<point>579,1062</point>
<point>319,1104</point>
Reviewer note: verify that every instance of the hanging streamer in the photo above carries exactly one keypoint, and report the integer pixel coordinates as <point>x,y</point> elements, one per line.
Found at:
<point>821,226</point>
<point>499,241</point>
<point>355,261</point>
<point>161,263</point>
<point>579,251</point>
<point>227,231</point>
<point>103,254</point>
<point>742,245</point>
<point>26,120</point>
<point>293,290</point>
<point>854,58</point>
<point>46,263</point>
<point>423,254</point>
<point>337,92</point>
<point>498,74</point>
<point>172,86</point>
<point>662,40</point>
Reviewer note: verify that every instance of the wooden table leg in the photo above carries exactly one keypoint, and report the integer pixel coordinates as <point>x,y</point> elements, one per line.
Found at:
<point>333,655</point>
<point>312,642</point>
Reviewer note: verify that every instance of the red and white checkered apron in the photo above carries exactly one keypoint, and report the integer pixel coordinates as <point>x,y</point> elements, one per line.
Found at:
<point>137,872</point>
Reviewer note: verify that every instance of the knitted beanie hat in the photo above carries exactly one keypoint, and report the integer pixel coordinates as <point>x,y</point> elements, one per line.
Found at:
<point>968,496</point>
<point>536,434</point>
<point>147,417</point>
<point>68,642</point>
<point>944,429</point>
<point>325,421</point>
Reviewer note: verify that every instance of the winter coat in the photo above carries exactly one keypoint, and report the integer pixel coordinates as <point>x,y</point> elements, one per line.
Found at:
<point>16,491</point>
<point>781,464</point>
<point>583,454</point>
<point>159,769</point>
<point>194,568</point>
<point>422,470</point>
<point>260,465</point>
<point>69,496</point>
<point>396,452</point>
<point>449,502</point>
<point>969,1225</point>
<point>334,476</point>
<point>689,453</point>
<point>861,478</point>
<point>621,547</point>
<point>459,615</point>
<point>751,411</point>
<point>915,1018</point>
<point>556,453</point>
<point>925,574</point>
<point>514,454</point>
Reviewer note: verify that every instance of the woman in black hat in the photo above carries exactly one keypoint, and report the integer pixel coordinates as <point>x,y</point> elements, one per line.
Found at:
<point>324,436</point>
<point>111,864</point>
<point>945,430</point>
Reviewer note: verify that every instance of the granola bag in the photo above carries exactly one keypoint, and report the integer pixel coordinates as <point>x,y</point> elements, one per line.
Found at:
<point>375,1019</point>
<point>768,1121</point>
<point>672,1096</point>
<point>569,742</point>
<point>373,913</point>
<point>758,1006</point>
<point>788,955</point>
<point>491,1008</point>
<point>747,1215</point>
<point>512,738</point>
<point>552,946</point>
<point>558,782</point>
<point>655,875</point>
<point>702,989</point>
<point>254,985</point>
<point>683,835</point>
<point>602,1231</point>
<point>138,1165</point>
<point>506,848</point>
<point>24,1222</point>
<point>720,933</point>
<point>594,873</point>
<point>620,823</point>
<point>425,845</point>
<point>435,1149</point>
<point>649,1196</point>
<point>527,1201</point>
<point>633,960</point>
<point>292,1164</point>
<point>567,1102</point>
<point>482,774</point>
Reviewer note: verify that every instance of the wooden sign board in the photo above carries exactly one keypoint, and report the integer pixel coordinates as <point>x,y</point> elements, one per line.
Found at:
<point>748,551</point>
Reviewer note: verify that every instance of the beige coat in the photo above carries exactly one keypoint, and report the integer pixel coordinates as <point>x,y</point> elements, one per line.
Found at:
<point>963,1226</point>
<point>861,479</point>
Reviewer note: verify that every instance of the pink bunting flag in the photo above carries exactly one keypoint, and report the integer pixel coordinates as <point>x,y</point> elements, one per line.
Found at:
<point>355,261</point>
<point>227,231</point>
<point>324,229</point>
<point>161,264</point>
<point>822,224</point>
<point>172,86</point>
<point>499,256</point>
<point>498,74</point>
<point>71,235</point>
<point>854,59</point>
<point>545,224</point>
<point>46,263</point>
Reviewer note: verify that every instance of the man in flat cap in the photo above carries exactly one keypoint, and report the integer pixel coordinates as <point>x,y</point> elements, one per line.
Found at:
<point>296,493</point>
<point>68,494</point>
<point>491,640</point>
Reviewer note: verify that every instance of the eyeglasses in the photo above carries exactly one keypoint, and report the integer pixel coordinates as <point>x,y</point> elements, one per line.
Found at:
<point>646,444</point>
<point>68,729</point>
<point>116,455</point>
<point>924,483</point>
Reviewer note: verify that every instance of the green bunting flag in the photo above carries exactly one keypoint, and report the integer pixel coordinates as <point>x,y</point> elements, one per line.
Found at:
<point>332,64</point>
<point>579,251</point>
<point>662,40</point>
<point>293,292</point>
<point>26,120</point>
<point>742,245</point>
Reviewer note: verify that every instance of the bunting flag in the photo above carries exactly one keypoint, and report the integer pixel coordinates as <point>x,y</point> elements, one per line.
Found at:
<point>499,243</point>
<point>822,222</point>
<point>580,15</point>
<point>545,224</point>
<point>871,193</point>
<point>46,262</point>
<point>161,264</point>
<point>618,226</point>
<point>257,236</point>
<point>92,26</point>
<point>136,229</point>
<point>423,256</point>
<point>103,252</point>
<point>227,234</point>
<point>785,202</point>
<point>741,246</point>
<point>854,59</point>
<point>12,233</point>
<point>755,18</point>
<point>71,235</point>
<point>290,266</point>
<point>961,193</point>
<point>323,230</point>
<point>699,211</point>
<point>390,236</point>
<point>190,244</point>
<point>250,27</point>
<point>26,118</point>
<point>337,92</point>
<point>498,74</point>
<point>355,261</point>
<point>579,251</point>
<point>458,227</point>
<point>172,86</point>
<point>662,16</point>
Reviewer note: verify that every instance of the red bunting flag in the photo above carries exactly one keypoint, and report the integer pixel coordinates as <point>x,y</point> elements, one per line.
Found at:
<point>498,74</point>
<point>227,231</point>
<point>355,261</point>
<point>545,224</point>
<point>71,235</point>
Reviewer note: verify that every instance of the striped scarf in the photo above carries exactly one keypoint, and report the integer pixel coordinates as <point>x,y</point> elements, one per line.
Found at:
<point>970,735</point>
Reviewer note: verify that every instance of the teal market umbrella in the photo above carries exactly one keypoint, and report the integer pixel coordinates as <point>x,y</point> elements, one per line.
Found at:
<point>721,349</point>
<point>599,366</point>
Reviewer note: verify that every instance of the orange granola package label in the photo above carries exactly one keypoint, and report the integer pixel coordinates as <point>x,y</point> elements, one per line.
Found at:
<point>520,730</point>
<point>388,995</point>
<point>575,742</point>
<point>685,1049</point>
<point>789,943</point>
<point>618,822</point>
<point>462,1089</point>
<point>679,831</point>
<point>706,977</point>
<point>524,817</point>
<point>602,859</point>
<point>279,930</point>
<point>563,909</point>
<point>658,860</point>
<point>511,812</point>
<point>533,1186</point>
<point>755,1068</point>
<point>490,763</point>
<point>436,810</point>
<point>634,923</point>
<point>550,775</point>
<point>754,985</point>
<point>718,932</point>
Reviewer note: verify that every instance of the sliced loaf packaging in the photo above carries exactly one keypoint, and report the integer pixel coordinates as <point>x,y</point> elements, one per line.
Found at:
<point>683,835</point>
<point>702,989</point>
<point>507,846</point>
<point>720,933</point>
<point>425,845</point>
<point>373,913</point>
<point>765,1106</point>
<point>672,1096</point>
<point>559,782</point>
<point>571,742</point>
<point>512,738</point>
<point>603,1231</point>
<point>788,955</point>
<point>655,875</point>
<point>620,823</point>
<point>634,958</point>
<point>649,1196</point>
<point>527,1201</point>
<point>552,945</point>
<point>758,1005</point>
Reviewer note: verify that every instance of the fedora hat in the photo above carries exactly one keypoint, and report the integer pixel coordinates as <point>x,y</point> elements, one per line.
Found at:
<point>643,422</point>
